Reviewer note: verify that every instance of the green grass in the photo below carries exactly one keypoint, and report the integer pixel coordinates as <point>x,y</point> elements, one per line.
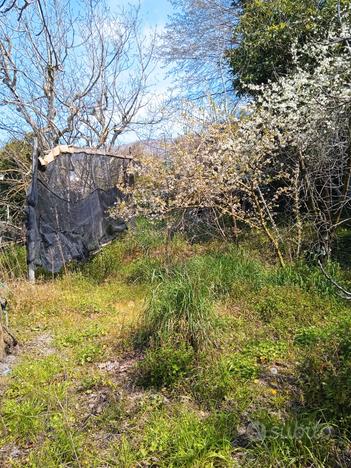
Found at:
<point>180,308</point>
<point>178,436</point>
<point>32,398</point>
<point>177,354</point>
<point>301,442</point>
<point>325,372</point>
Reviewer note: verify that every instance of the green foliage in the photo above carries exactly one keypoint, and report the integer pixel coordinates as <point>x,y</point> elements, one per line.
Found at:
<point>105,264</point>
<point>242,366</point>
<point>275,303</point>
<point>266,32</point>
<point>217,380</point>
<point>307,277</point>
<point>79,337</point>
<point>62,447</point>
<point>84,343</point>
<point>89,353</point>
<point>145,236</point>
<point>23,418</point>
<point>310,336</point>
<point>217,320</point>
<point>164,366</point>
<point>212,382</point>
<point>326,371</point>
<point>28,375</point>
<point>91,380</point>
<point>223,271</point>
<point>266,351</point>
<point>114,260</point>
<point>145,270</point>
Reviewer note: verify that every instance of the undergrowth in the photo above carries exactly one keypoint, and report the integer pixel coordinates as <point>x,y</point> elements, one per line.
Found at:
<point>164,353</point>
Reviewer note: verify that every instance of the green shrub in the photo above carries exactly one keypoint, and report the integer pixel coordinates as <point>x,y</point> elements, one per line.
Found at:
<point>165,365</point>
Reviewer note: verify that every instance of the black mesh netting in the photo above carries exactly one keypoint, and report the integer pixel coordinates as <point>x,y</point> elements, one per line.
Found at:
<point>68,208</point>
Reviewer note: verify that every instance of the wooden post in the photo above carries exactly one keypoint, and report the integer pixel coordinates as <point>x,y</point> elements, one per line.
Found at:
<point>32,228</point>
<point>31,273</point>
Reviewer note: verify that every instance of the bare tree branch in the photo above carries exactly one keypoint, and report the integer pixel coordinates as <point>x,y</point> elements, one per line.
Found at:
<point>73,75</point>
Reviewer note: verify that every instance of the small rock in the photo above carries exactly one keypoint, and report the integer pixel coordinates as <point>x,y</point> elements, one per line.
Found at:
<point>4,369</point>
<point>328,431</point>
<point>273,371</point>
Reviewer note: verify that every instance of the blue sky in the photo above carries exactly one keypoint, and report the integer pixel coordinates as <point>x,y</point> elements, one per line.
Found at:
<point>154,12</point>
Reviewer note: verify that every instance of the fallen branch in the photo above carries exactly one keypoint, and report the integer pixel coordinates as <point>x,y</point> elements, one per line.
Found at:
<point>343,292</point>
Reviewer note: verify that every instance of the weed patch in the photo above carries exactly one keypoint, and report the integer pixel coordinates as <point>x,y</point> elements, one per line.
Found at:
<point>164,366</point>
<point>326,372</point>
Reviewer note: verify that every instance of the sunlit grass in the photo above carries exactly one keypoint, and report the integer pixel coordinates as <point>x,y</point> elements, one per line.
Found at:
<point>163,355</point>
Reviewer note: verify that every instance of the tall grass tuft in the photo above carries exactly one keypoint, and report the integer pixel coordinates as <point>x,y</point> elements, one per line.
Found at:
<point>308,277</point>
<point>223,271</point>
<point>180,308</point>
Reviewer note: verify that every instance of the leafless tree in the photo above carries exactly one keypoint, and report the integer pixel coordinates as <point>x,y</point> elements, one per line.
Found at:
<point>72,72</point>
<point>195,42</point>
<point>9,5</point>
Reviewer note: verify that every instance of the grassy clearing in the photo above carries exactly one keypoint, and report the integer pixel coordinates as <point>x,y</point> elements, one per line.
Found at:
<point>178,355</point>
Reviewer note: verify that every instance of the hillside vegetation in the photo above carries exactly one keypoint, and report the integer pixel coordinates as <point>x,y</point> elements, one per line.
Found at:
<point>166,353</point>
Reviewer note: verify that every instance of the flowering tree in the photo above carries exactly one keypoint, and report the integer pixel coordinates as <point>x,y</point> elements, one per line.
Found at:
<point>285,162</point>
